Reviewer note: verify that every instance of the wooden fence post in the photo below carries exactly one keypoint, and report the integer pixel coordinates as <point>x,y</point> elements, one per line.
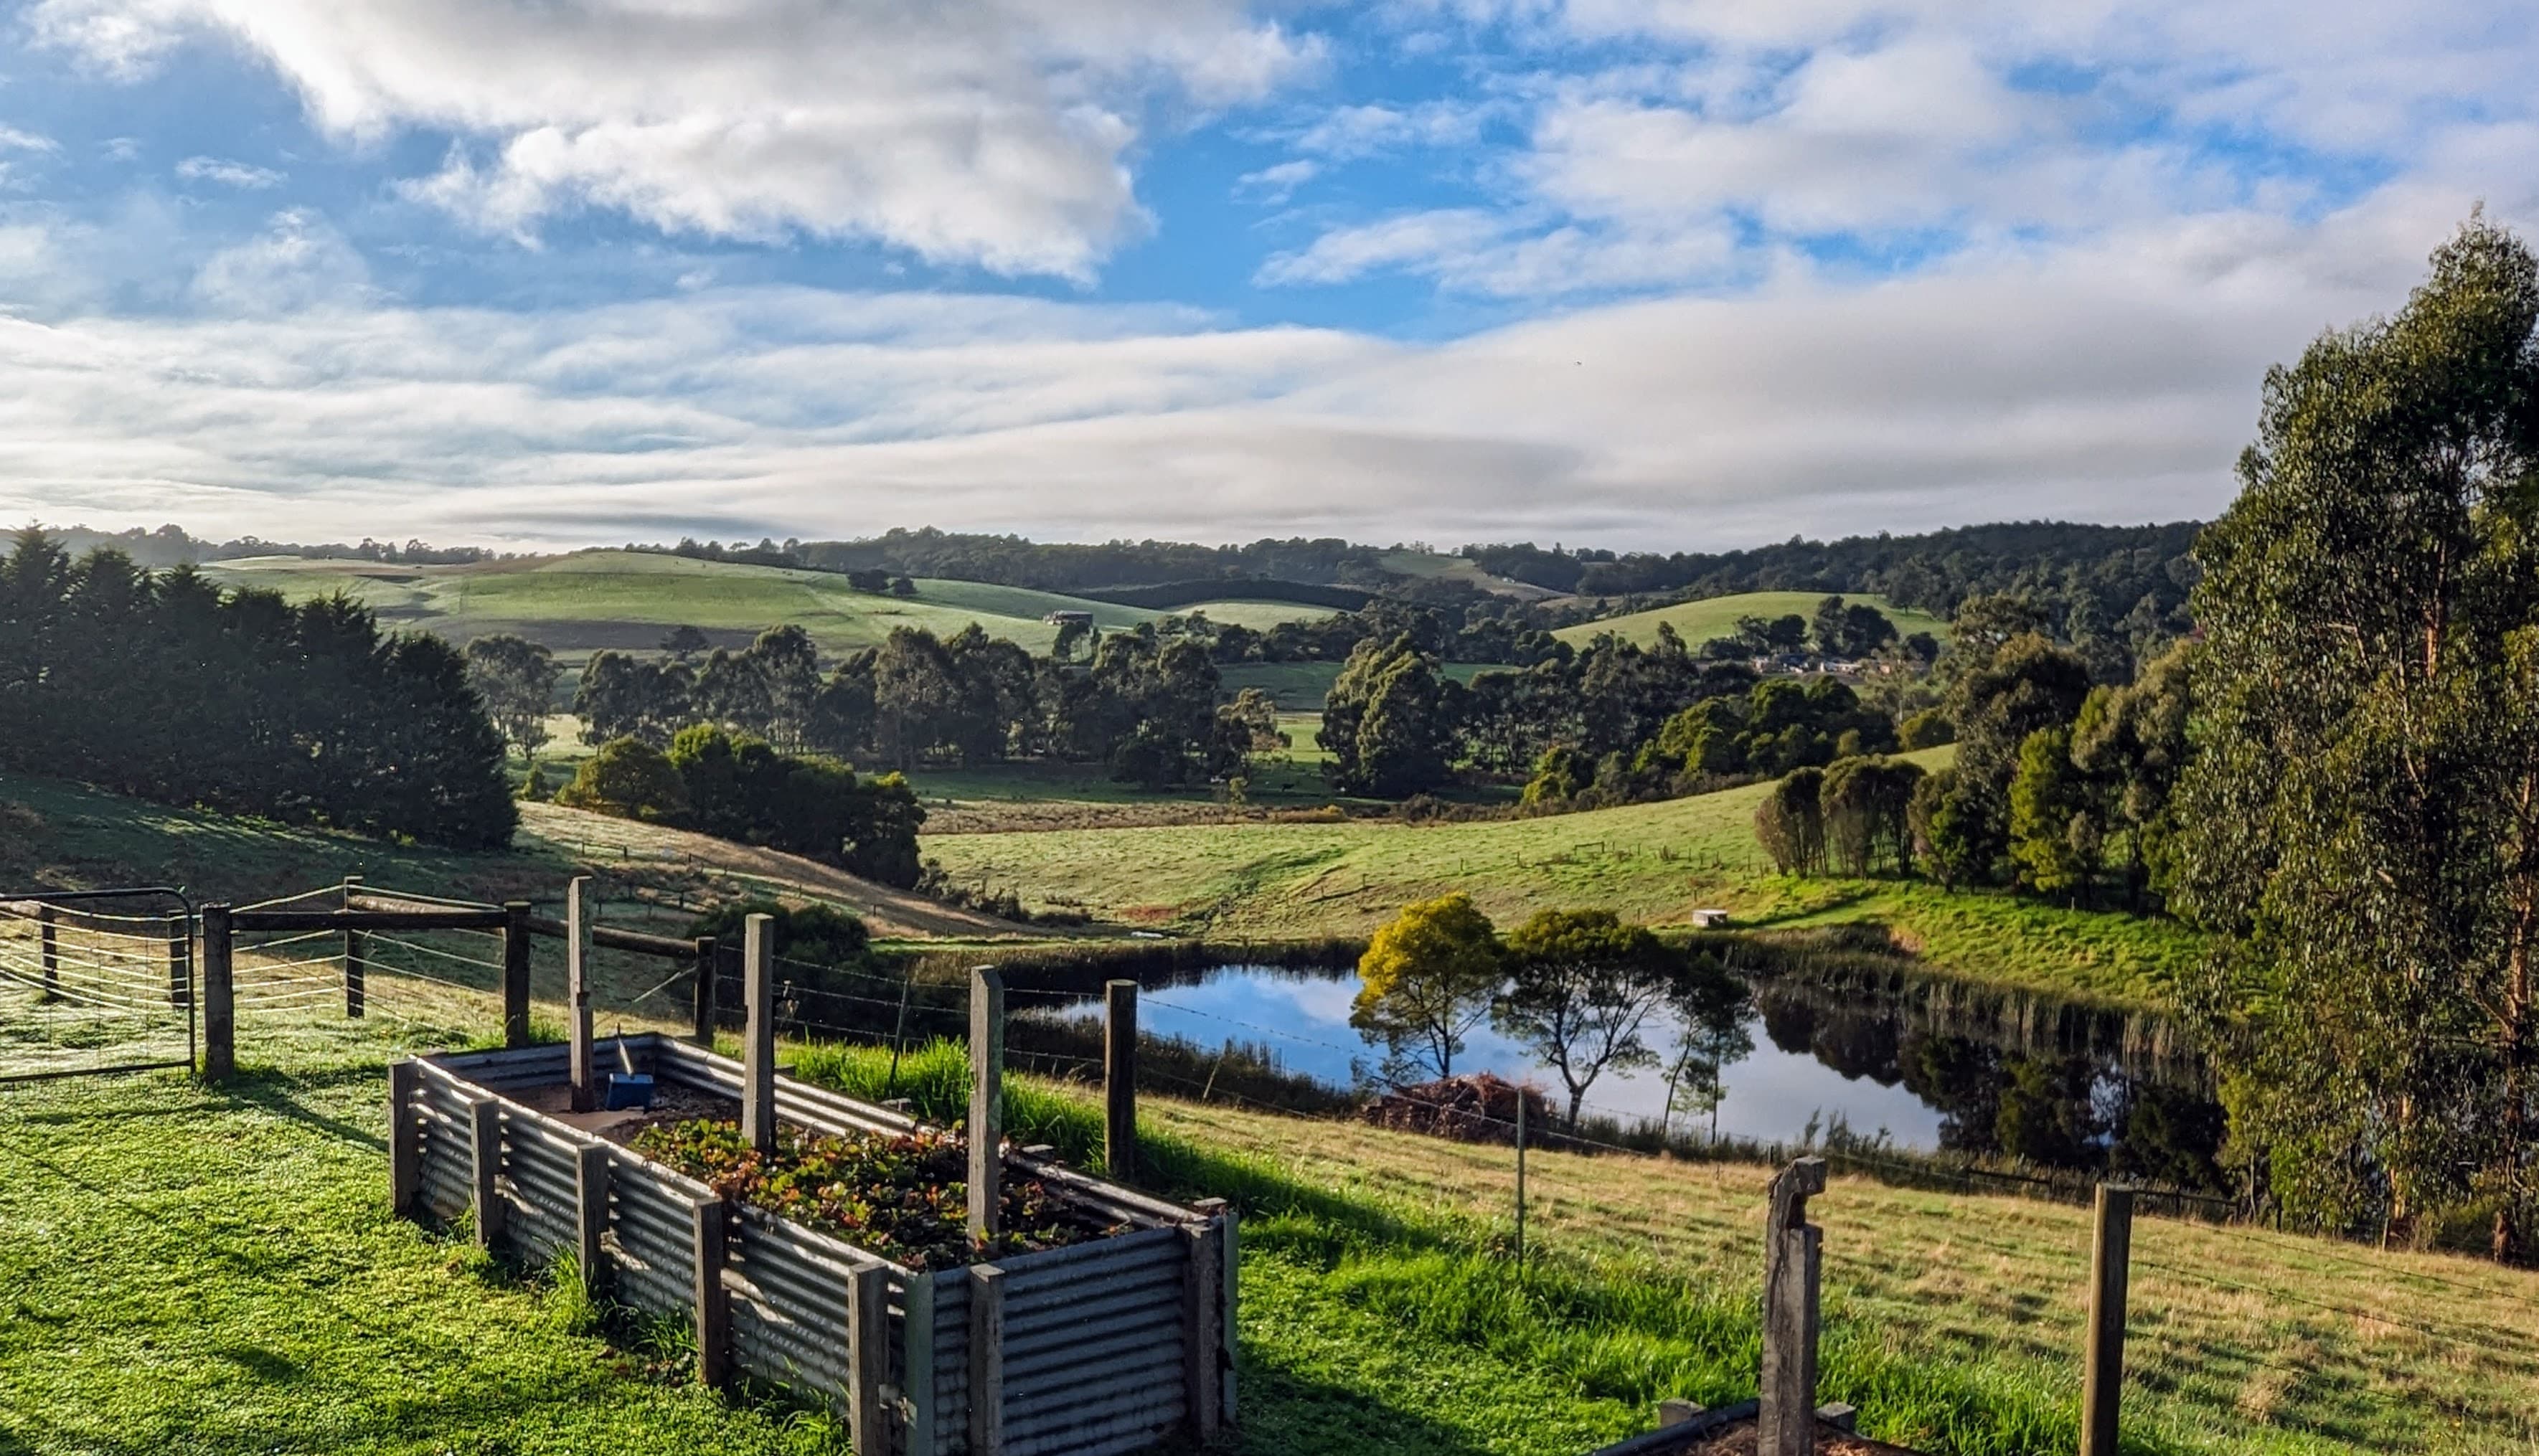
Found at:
<point>867,1355</point>
<point>516,973</point>
<point>357,955</point>
<point>405,1150</point>
<point>917,1365</point>
<point>1119,1081</point>
<point>485,1146</point>
<point>1202,1323</point>
<point>48,939</point>
<point>578,927</point>
<point>703,994</point>
<point>987,1129</point>
<point>714,1301</point>
<point>180,962</point>
<point>220,1020</point>
<point>986,1359</point>
<point>1793,1257</point>
<point>758,1051</point>
<point>590,1219</point>
<point>2102,1374</point>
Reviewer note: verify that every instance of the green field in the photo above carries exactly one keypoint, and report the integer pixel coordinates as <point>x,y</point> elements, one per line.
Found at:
<point>1716,616</point>
<point>595,599</point>
<point>217,1274</point>
<point>1653,862</point>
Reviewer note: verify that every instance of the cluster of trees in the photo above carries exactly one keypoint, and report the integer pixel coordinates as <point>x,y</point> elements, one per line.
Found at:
<point>1855,818</point>
<point>1395,723</point>
<point>1146,704</point>
<point>1777,725</point>
<point>2117,593</point>
<point>1579,989</point>
<point>163,686</point>
<point>746,790</point>
<point>2361,821</point>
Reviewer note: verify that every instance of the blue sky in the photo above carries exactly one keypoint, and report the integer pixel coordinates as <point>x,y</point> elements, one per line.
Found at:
<point>1646,272</point>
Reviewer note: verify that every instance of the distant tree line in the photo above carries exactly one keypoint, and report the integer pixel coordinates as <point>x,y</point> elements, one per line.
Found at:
<point>2117,594</point>
<point>165,687</point>
<point>171,546</point>
<point>1147,704</point>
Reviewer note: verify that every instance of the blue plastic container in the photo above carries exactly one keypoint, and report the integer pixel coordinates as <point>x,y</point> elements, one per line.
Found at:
<point>629,1091</point>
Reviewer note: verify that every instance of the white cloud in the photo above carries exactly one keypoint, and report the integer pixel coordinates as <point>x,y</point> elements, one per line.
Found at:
<point>977,131</point>
<point>2114,380</point>
<point>13,140</point>
<point>1275,183</point>
<point>239,174</point>
<point>1348,133</point>
<point>300,264</point>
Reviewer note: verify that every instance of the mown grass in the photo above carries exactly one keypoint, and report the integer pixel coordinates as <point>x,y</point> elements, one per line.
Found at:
<point>212,1270</point>
<point>1954,1322</point>
<point>1652,862</point>
<point>197,1271</point>
<point>1716,616</point>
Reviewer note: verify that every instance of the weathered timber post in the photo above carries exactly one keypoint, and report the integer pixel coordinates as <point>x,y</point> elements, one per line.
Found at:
<point>180,962</point>
<point>703,994</point>
<point>714,1301</point>
<point>867,1356</point>
<point>2103,1375</point>
<point>405,1145</point>
<point>48,939</point>
<point>917,1364</point>
<point>758,1051</point>
<point>220,1016</point>
<point>1520,1179</point>
<point>986,1359</point>
<point>1120,1080</point>
<point>485,1146</point>
<point>1793,1259</point>
<point>577,978</point>
<point>590,1219</point>
<point>516,973</point>
<point>357,954</point>
<point>986,1101</point>
<point>1208,1362</point>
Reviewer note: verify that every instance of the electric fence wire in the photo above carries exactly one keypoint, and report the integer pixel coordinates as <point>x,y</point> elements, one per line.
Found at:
<point>381,938</point>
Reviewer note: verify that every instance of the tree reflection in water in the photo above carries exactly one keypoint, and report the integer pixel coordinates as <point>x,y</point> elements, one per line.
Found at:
<point>2061,1107</point>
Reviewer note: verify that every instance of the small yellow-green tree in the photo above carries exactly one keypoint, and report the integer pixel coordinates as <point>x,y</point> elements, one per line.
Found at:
<point>1429,976</point>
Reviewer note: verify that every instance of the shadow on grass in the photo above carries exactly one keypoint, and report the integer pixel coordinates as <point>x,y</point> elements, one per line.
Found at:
<point>285,1094</point>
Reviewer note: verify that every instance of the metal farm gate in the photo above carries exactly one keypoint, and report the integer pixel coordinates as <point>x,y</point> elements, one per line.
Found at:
<point>94,981</point>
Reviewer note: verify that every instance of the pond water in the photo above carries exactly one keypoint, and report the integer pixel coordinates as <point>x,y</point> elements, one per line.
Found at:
<point>1925,1078</point>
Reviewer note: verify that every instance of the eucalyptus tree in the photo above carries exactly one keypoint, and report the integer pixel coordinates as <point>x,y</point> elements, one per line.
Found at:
<point>2362,818</point>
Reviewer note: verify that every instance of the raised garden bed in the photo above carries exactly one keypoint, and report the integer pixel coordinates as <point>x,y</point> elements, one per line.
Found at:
<point>1100,1344</point>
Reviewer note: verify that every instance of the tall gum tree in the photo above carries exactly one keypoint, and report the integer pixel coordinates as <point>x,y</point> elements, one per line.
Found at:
<point>2361,818</point>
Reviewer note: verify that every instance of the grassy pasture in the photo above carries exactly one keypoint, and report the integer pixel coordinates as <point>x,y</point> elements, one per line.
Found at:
<point>595,599</point>
<point>1699,622</point>
<point>1654,862</point>
<point>217,1274</point>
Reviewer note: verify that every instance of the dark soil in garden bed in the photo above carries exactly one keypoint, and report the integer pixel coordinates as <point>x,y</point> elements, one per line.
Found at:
<point>902,1196</point>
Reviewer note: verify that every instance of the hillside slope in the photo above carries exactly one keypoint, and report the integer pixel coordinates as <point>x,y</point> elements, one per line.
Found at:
<point>1716,616</point>
<point>60,834</point>
<point>1651,862</point>
<point>595,599</point>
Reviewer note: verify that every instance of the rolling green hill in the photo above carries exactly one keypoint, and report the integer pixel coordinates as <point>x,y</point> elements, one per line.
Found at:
<point>1652,862</point>
<point>597,599</point>
<point>1716,616</point>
